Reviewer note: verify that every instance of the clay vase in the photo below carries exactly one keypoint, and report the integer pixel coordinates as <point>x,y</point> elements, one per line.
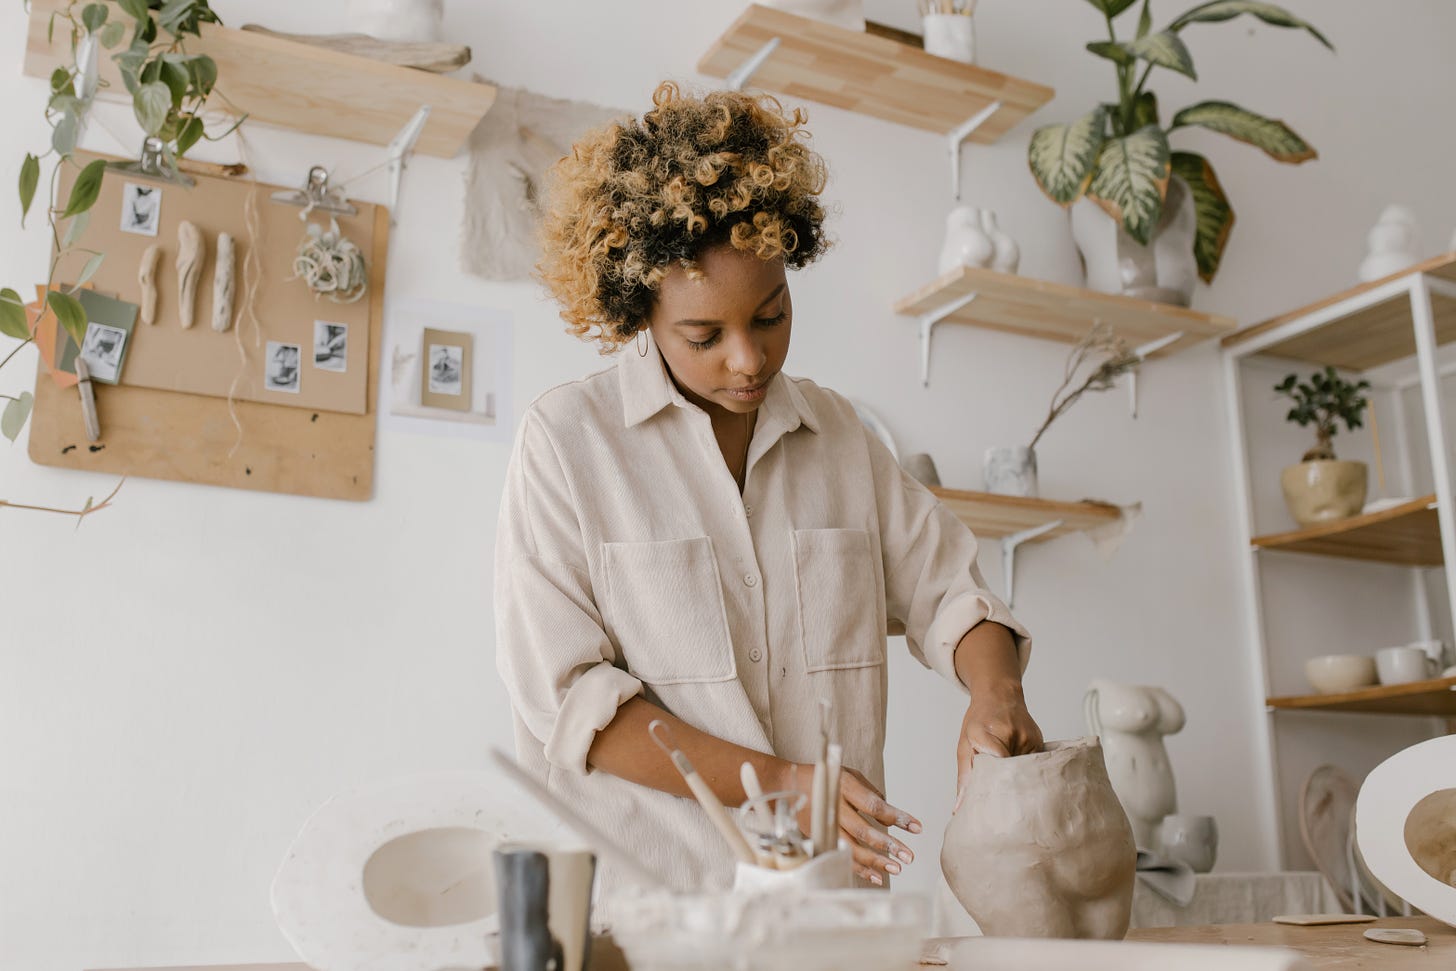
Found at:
<point>1040,846</point>
<point>1324,490</point>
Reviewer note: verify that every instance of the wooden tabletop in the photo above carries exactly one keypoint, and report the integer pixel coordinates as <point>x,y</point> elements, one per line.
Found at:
<point>1341,946</point>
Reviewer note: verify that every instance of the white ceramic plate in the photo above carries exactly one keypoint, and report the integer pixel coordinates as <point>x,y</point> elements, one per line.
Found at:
<point>1383,810</point>
<point>874,424</point>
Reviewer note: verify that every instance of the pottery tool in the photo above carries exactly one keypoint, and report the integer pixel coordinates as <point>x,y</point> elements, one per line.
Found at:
<point>88,400</point>
<point>831,816</point>
<point>600,841</point>
<point>821,813</point>
<point>719,817</point>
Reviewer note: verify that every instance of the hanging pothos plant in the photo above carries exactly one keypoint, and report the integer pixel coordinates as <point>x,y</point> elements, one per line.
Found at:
<point>1118,154</point>
<point>168,88</point>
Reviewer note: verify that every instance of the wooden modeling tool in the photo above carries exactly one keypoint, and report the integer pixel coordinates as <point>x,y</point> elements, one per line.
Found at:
<point>821,814</point>
<point>599,841</point>
<point>662,735</point>
<point>835,770</point>
<point>88,400</point>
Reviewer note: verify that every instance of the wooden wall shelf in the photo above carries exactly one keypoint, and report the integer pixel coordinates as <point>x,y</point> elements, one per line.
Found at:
<point>992,516</point>
<point>1367,336</point>
<point>1404,535</point>
<point>871,75</point>
<point>1433,697</point>
<point>1051,311</point>
<point>299,86</point>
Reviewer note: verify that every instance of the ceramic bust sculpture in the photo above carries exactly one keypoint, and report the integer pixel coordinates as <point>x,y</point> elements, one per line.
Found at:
<point>1131,720</point>
<point>1391,244</point>
<point>966,243</point>
<point>1040,846</point>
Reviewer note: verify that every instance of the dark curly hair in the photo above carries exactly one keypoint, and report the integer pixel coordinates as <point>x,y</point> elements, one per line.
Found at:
<point>636,197</point>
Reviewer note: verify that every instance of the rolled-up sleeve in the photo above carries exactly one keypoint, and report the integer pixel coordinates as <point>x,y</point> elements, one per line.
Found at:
<point>933,586</point>
<point>551,650</point>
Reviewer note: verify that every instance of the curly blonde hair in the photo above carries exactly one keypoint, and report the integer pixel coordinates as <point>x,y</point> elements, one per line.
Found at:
<point>638,196</point>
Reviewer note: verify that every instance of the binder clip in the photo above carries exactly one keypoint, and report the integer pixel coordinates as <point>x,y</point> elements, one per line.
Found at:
<point>316,194</point>
<point>153,165</point>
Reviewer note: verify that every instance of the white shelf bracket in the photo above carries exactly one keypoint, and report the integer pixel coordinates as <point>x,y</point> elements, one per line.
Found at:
<point>1143,352</point>
<point>740,75</point>
<point>957,138</point>
<point>927,326</point>
<point>399,149</point>
<point>1008,553</point>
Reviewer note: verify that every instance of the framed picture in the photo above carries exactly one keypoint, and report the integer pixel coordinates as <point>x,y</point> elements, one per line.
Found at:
<point>445,375</point>
<point>283,371</point>
<point>103,350</point>
<point>109,326</point>
<point>141,208</point>
<point>330,346</point>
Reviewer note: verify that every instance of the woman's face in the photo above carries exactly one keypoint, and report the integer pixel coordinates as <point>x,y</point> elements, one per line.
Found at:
<point>725,333</point>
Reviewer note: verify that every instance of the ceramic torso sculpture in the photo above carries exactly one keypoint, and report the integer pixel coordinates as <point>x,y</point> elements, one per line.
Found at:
<point>1131,720</point>
<point>1041,847</point>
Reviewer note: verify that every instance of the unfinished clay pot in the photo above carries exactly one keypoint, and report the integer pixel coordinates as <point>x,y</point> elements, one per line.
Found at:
<point>1041,846</point>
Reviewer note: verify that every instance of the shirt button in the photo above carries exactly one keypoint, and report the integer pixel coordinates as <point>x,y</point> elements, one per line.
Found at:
<point>748,510</point>
<point>755,655</point>
<point>750,580</point>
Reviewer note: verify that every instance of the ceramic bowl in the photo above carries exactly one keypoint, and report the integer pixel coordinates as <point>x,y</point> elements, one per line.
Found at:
<point>1336,673</point>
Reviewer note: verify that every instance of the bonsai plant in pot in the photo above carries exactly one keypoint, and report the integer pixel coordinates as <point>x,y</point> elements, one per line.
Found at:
<point>1147,220</point>
<point>1095,364</point>
<point>1322,488</point>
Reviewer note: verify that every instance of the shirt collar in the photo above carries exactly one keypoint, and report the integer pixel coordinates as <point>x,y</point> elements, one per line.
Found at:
<point>647,389</point>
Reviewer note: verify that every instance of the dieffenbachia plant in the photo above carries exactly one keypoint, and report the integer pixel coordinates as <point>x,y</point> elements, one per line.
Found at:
<point>1118,154</point>
<point>167,86</point>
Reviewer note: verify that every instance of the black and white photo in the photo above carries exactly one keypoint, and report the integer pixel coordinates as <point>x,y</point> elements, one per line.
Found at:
<point>447,368</point>
<point>283,367</point>
<point>102,351</point>
<point>330,346</point>
<point>141,209</point>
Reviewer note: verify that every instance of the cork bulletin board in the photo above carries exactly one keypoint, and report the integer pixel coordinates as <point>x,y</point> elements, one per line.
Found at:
<point>169,417</point>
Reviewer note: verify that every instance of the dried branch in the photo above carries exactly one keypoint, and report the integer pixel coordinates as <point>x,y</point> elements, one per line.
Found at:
<point>1117,359</point>
<point>80,514</point>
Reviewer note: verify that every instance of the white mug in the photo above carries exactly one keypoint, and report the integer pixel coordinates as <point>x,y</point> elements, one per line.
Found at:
<point>1401,665</point>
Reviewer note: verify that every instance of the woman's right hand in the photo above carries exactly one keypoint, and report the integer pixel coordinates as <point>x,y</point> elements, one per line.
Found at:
<point>875,852</point>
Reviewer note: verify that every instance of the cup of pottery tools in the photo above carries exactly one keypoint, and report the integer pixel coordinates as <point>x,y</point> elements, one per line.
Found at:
<point>545,906</point>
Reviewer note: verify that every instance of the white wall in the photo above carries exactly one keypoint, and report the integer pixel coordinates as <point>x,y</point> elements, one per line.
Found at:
<point>184,678</point>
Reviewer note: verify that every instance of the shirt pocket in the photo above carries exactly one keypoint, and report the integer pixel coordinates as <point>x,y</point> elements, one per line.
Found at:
<point>667,611</point>
<point>838,599</point>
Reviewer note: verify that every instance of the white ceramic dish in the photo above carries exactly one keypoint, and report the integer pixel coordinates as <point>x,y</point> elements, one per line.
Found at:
<point>1337,673</point>
<point>1406,826</point>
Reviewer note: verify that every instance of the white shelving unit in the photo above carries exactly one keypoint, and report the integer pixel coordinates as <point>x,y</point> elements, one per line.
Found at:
<point>1402,318</point>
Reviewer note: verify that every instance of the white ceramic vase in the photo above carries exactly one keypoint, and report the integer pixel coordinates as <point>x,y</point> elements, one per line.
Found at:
<point>966,243</point>
<point>951,35</point>
<point>1164,271</point>
<point>1131,720</point>
<point>1010,471</point>
<point>402,20</point>
<point>1006,255</point>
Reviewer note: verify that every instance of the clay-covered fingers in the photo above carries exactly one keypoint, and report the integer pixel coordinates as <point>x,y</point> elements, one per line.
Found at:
<point>856,790</point>
<point>874,851</point>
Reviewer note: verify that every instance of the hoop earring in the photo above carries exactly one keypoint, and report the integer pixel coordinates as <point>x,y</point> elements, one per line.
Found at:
<point>641,345</point>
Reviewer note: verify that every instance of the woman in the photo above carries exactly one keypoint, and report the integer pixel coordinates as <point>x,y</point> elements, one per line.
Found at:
<point>695,537</point>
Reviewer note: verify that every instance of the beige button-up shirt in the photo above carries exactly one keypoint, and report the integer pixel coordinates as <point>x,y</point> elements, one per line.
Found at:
<point>628,563</point>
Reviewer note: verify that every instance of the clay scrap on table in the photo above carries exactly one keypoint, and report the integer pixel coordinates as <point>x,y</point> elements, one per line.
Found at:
<point>1318,920</point>
<point>435,58</point>
<point>1396,935</point>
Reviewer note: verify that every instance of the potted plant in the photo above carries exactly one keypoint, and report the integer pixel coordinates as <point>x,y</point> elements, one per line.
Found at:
<point>1148,220</point>
<point>167,86</point>
<point>1321,488</point>
<point>1012,471</point>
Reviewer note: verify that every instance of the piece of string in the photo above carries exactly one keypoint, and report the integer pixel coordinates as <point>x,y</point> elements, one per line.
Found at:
<point>252,276</point>
<point>641,344</point>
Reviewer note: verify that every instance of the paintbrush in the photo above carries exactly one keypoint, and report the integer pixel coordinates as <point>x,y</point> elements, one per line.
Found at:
<point>710,803</point>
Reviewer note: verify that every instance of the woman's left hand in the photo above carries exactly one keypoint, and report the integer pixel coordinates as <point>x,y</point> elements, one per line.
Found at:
<point>996,723</point>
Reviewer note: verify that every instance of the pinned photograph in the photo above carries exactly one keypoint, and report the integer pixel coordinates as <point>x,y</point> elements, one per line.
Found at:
<point>330,346</point>
<point>141,209</point>
<point>103,350</point>
<point>283,367</point>
<point>445,378</point>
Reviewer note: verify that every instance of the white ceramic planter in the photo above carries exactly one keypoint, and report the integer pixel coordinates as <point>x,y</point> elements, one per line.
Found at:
<point>1010,471</point>
<point>951,35</point>
<point>1164,271</point>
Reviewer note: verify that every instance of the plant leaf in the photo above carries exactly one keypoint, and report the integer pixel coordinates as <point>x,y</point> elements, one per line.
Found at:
<point>75,229</point>
<point>1111,8</point>
<point>86,188</point>
<point>1273,137</point>
<point>16,412</point>
<point>63,137</point>
<point>60,80</point>
<point>1145,111</point>
<point>1145,20</point>
<point>1062,156</point>
<point>1165,49</point>
<point>1215,215</point>
<point>70,313</point>
<point>176,78</point>
<point>88,271</point>
<point>152,102</point>
<point>112,34</point>
<point>94,16</point>
<point>13,320</point>
<point>204,73</point>
<point>191,131</point>
<point>1131,179</point>
<point>29,179</point>
<point>1113,51</point>
<point>1229,9</point>
<point>136,9</point>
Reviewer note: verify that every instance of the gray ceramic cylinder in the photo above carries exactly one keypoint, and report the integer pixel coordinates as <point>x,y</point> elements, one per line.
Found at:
<point>543,927</point>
